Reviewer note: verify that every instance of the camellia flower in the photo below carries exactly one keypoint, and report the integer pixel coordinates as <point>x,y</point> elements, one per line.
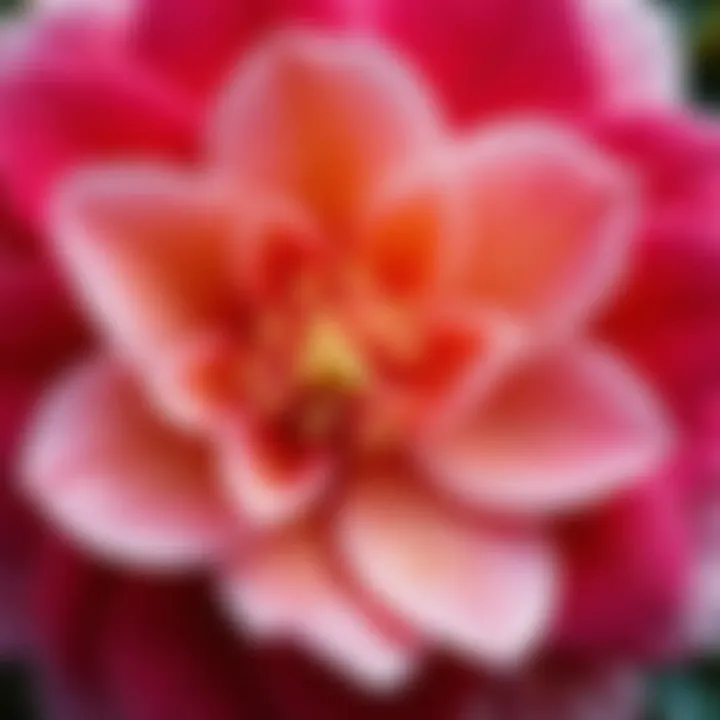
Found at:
<point>345,309</point>
<point>380,356</point>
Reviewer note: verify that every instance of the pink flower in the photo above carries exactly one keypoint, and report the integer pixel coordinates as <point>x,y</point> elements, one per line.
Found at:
<point>446,452</point>
<point>344,309</point>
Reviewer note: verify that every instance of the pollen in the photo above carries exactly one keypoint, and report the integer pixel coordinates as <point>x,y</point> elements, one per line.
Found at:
<point>329,359</point>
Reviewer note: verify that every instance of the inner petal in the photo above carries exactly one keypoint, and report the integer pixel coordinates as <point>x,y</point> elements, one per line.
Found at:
<point>547,224</point>
<point>322,120</point>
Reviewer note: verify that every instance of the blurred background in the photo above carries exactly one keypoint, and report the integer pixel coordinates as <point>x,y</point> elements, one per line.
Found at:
<point>683,693</point>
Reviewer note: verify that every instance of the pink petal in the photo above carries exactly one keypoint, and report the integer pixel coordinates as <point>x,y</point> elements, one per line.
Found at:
<point>627,576</point>
<point>70,93</point>
<point>489,596</point>
<point>288,589</point>
<point>268,487</point>
<point>102,468</point>
<point>195,42</point>
<point>322,119</point>
<point>120,9</point>
<point>495,56</point>
<point>565,429</point>
<point>147,249</point>
<point>549,220</point>
<point>38,323</point>
<point>639,51</point>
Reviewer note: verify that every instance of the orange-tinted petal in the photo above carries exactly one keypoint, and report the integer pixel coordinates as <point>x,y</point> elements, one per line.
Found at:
<point>565,429</point>
<point>411,229</point>
<point>288,589</point>
<point>268,486</point>
<point>105,470</point>
<point>548,222</point>
<point>147,249</point>
<point>322,120</point>
<point>489,596</point>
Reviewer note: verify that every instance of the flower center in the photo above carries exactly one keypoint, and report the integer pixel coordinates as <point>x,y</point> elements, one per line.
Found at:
<point>329,360</point>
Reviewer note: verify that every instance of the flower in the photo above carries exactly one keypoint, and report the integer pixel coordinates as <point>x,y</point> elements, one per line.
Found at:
<point>428,179</point>
<point>341,310</point>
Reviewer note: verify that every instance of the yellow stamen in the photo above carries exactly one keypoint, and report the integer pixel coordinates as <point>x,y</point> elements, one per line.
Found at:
<point>328,359</point>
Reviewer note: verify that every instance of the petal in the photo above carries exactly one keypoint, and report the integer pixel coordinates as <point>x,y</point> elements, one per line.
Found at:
<point>117,9</point>
<point>146,248</point>
<point>548,225</point>
<point>565,429</point>
<point>102,468</point>
<point>677,154</point>
<point>268,487</point>
<point>70,93</point>
<point>628,566</point>
<point>194,43</point>
<point>288,588</point>
<point>489,596</point>
<point>38,322</point>
<point>639,52</point>
<point>321,119</point>
<point>410,229</point>
<point>495,57</point>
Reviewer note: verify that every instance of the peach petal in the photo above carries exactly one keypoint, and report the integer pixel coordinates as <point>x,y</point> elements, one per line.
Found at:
<point>194,384</point>
<point>288,590</point>
<point>268,488</point>
<point>489,596</point>
<point>548,223</point>
<point>322,120</point>
<point>104,470</point>
<point>565,429</point>
<point>411,227</point>
<point>146,246</point>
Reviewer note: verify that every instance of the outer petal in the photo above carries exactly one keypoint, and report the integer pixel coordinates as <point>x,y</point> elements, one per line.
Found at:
<point>288,588</point>
<point>628,566</point>
<point>487,595</point>
<point>116,8</point>
<point>102,468</point>
<point>495,56</point>
<point>638,50</point>
<point>322,119</point>
<point>195,42</point>
<point>147,249</point>
<point>565,429</point>
<point>39,325</point>
<point>70,92</point>
<point>549,220</point>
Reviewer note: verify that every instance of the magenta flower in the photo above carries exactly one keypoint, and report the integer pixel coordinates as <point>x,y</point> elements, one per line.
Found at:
<point>380,343</point>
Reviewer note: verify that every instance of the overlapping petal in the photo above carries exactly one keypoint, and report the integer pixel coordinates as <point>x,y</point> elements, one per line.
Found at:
<point>70,93</point>
<point>548,223</point>
<point>495,57</point>
<point>193,43</point>
<point>148,250</point>
<point>269,488</point>
<point>322,120</point>
<point>487,595</point>
<point>103,468</point>
<point>566,428</point>
<point>638,51</point>
<point>289,587</point>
